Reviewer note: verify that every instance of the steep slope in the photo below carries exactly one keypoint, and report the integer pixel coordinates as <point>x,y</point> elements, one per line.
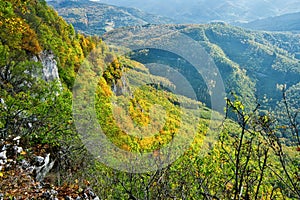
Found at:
<point>37,117</point>
<point>39,54</point>
<point>96,18</point>
<point>287,22</point>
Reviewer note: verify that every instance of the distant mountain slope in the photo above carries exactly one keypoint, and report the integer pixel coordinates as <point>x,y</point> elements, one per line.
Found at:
<point>287,22</point>
<point>96,18</point>
<point>200,11</point>
<point>251,63</point>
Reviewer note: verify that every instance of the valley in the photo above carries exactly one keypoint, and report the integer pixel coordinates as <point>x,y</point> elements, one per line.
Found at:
<point>250,63</point>
<point>102,101</point>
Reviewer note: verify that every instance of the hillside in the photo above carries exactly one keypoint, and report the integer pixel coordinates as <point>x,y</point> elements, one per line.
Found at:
<point>95,18</point>
<point>261,69</point>
<point>39,55</point>
<point>287,22</point>
<point>202,11</point>
<point>251,63</point>
<point>79,119</point>
<point>43,154</point>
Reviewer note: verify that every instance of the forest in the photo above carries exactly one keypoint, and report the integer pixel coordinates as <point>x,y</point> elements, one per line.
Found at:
<point>49,136</point>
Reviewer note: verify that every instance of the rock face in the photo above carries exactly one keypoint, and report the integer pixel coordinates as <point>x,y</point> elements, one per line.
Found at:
<point>43,170</point>
<point>50,70</point>
<point>120,87</point>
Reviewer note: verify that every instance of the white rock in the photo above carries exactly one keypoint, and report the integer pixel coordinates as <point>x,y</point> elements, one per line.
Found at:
<point>3,148</point>
<point>39,160</point>
<point>25,164</point>
<point>18,149</point>
<point>17,138</point>
<point>30,169</point>
<point>3,155</point>
<point>42,171</point>
<point>50,70</point>
<point>47,159</point>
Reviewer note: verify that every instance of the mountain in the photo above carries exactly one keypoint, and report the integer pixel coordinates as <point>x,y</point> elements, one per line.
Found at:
<point>201,11</point>
<point>287,22</point>
<point>103,126</point>
<point>96,18</point>
<point>41,115</point>
<point>252,64</point>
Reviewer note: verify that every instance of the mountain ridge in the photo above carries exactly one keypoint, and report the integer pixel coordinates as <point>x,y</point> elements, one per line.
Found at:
<point>203,11</point>
<point>186,150</point>
<point>287,22</point>
<point>249,60</point>
<point>92,17</point>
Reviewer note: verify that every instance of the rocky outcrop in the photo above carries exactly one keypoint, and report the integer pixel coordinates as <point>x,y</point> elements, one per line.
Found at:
<point>42,171</point>
<point>50,70</point>
<point>11,150</point>
<point>120,87</point>
<point>22,174</point>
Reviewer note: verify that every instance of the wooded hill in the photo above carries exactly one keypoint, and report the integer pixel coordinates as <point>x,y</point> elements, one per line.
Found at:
<point>94,18</point>
<point>245,159</point>
<point>252,64</point>
<point>288,22</point>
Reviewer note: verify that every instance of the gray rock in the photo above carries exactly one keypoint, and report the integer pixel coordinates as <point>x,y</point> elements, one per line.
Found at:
<point>68,198</point>
<point>43,170</point>
<point>3,155</point>
<point>17,138</point>
<point>29,125</point>
<point>46,195</point>
<point>54,192</point>
<point>39,160</point>
<point>17,149</point>
<point>2,162</point>
<point>25,164</point>
<point>91,194</point>
<point>30,169</point>
<point>39,186</point>
<point>50,70</point>
<point>85,196</point>
<point>4,148</point>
